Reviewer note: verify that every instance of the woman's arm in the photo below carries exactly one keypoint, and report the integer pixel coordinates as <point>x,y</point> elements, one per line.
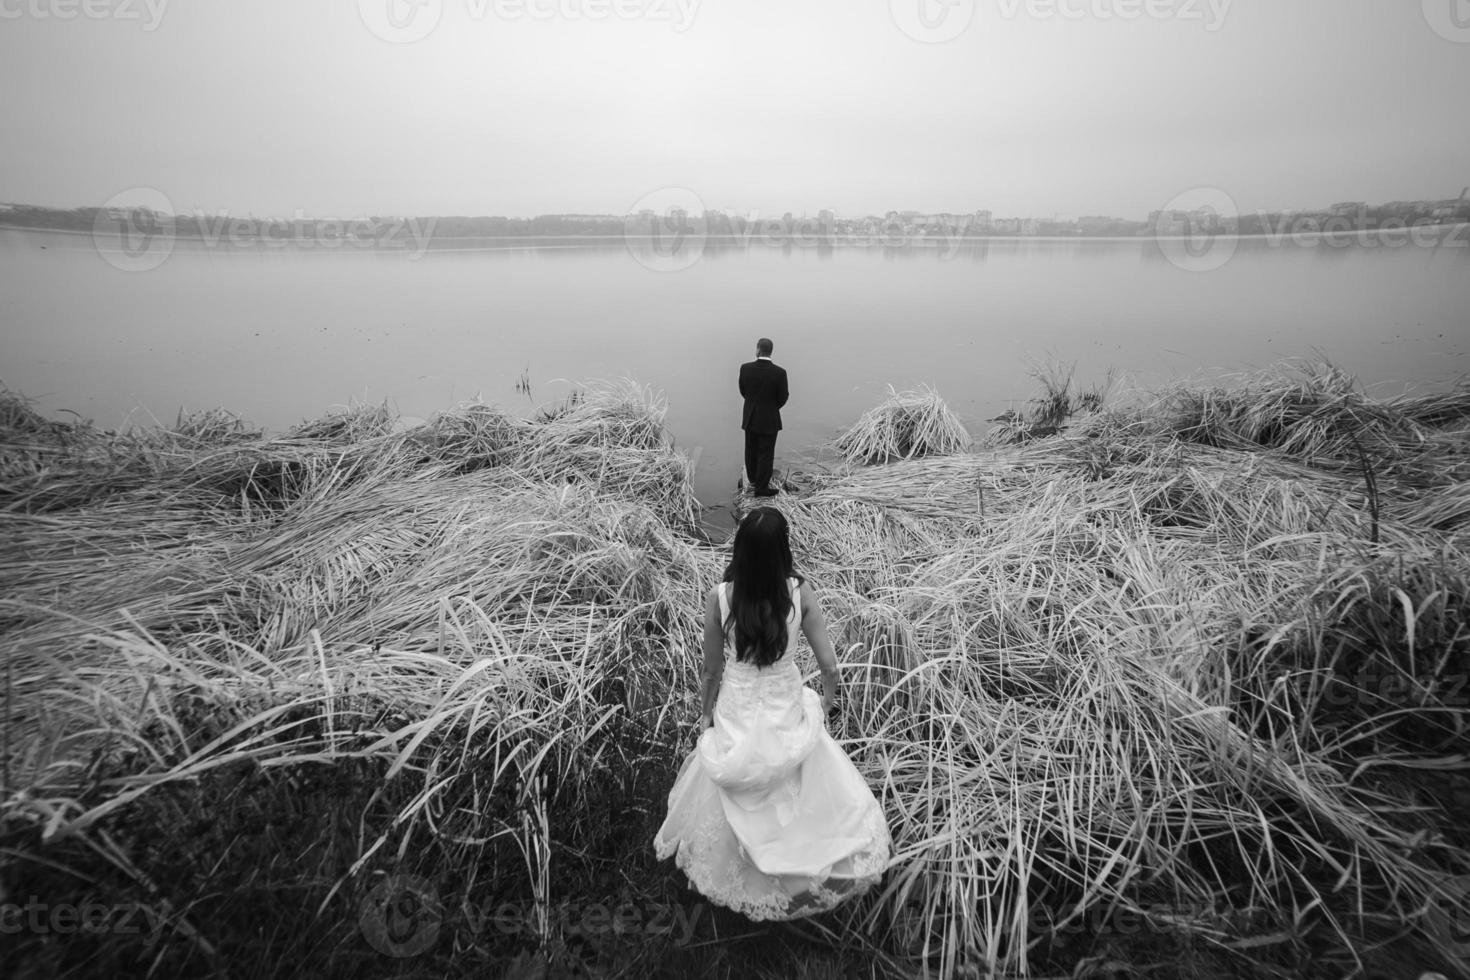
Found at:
<point>714,659</point>
<point>814,626</point>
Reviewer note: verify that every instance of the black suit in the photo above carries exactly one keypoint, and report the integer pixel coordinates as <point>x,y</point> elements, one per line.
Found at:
<point>763,386</point>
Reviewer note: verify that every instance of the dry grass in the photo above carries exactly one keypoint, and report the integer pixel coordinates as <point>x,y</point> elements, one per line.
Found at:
<point>1058,403</point>
<point>909,424</point>
<point>1163,690</point>
<point>1170,666</point>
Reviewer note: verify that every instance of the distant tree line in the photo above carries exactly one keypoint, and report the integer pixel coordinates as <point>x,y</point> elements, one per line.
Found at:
<point>206,225</point>
<point>717,223</point>
<point>1397,214</point>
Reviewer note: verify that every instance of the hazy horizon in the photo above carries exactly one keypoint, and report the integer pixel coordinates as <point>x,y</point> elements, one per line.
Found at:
<point>533,107</point>
<point>799,213</point>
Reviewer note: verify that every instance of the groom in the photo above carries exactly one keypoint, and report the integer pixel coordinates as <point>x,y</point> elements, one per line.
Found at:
<point>763,386</point>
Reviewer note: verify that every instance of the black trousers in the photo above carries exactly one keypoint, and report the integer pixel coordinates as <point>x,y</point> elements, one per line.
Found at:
<point>760,458</point>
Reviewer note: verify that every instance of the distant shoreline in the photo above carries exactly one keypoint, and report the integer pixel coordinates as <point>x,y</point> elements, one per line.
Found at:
<point>756,240</point>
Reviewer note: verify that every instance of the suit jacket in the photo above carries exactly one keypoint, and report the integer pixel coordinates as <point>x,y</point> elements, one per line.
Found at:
<point>763,385</point>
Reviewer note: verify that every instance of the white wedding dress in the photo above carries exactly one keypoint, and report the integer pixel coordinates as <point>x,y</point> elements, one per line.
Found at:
<point>768,816</point>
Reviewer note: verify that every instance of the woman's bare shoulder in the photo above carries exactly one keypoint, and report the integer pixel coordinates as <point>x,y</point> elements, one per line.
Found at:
<point>808,596</point>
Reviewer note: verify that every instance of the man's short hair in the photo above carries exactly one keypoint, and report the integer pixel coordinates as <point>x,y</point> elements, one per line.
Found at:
<point>763,347</point>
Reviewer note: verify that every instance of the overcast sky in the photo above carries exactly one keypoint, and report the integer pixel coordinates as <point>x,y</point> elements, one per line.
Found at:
<point>521,107</point>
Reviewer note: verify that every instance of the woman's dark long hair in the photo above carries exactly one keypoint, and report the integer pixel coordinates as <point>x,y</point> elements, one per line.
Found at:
<point>760,596</point>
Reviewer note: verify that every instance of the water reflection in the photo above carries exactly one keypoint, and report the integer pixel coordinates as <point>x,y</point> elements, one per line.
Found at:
<point>279,335</point>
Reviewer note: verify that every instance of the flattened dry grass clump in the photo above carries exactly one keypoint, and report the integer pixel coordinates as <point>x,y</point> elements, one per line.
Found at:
<point>604,414</point>
<point>1060,401</point>
<point>1319,414</point>
<point>610,437</point>
<point>908,425</point>
<point>472,438</point>
<point>19,418</point>
<point>48,464</point>
<point>353,424</point>
<point>1439,409</point>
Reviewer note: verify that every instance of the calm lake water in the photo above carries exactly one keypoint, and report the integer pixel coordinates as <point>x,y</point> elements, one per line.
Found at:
<point>281,334</point>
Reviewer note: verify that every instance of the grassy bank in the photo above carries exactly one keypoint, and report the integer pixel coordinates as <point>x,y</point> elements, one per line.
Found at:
<point>1181,681</point>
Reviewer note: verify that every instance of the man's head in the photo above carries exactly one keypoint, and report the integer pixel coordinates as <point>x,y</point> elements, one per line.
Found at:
<point>763,348</point>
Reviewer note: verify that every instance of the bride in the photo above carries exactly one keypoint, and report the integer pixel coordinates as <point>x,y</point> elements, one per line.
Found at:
<point>768,816</point>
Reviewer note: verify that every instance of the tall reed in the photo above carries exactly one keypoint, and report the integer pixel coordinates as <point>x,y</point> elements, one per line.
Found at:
<point>1178,663</point>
